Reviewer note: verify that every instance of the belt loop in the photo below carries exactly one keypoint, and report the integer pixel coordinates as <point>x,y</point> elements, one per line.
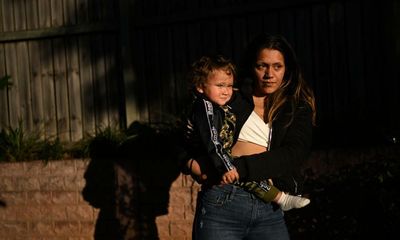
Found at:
<point>233,192</point>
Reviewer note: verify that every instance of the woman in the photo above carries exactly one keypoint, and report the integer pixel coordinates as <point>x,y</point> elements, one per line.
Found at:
<point>273,90</point>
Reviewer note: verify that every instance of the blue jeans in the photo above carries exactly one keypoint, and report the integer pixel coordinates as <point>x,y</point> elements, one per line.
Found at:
<point>229,212</point>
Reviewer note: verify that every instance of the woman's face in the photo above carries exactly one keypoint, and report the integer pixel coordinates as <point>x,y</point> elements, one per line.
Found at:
<point>269,70</point>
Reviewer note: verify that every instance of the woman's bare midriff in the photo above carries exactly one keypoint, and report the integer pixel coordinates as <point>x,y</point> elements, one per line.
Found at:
<point>246,148</point>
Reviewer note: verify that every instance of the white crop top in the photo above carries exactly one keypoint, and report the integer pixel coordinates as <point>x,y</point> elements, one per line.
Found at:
<point>255,130</point>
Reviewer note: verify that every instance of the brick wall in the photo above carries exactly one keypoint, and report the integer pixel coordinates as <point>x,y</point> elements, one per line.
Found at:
<point>44,201</point>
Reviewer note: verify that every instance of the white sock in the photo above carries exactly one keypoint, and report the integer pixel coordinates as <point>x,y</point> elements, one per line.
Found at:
<point>288,202</point>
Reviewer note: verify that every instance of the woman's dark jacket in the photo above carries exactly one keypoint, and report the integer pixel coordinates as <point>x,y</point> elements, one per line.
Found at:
<point>290,145</point>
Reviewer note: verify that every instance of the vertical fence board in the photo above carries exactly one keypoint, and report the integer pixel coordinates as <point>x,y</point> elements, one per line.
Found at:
<point>36,86</point>
<point>74,86</point>
<point>49,104</point>
<point>87,84</point>
<point>304,49</point>
<point>153,75</point>
<point>8,17</point>
<point>371,34</point>
<point>193,32</point>
<point>3,92</point>
<point>61,89</point>
<point>32,18</point>
<point>112,79</point>
<point>99,81</point>
<point>239,37</point>
<point>12,70</point>
<point>208,37</point>
<point>355,67</point>
<point>224,37</point>
<point>287,25</point>
<point>321,60</point>
<point>167,83</point>
<point>83,11</point>
<point>1,15</point>
<point>180,66</point>
<point>25,97</point>
<point>45,13</point>
<point>19,15</point>
<point>70,12</point>
<point>337,40</point>
<point>56,13</point>
<point>271,22</point>
<point>139,88</point>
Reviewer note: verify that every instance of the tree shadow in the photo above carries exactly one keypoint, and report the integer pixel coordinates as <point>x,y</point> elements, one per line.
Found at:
<point>130,181</point>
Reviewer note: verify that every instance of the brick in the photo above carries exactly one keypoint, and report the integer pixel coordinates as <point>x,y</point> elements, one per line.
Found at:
<point>64,197</point>
<point>42,228</point>
<point>36,168</point>
<point>87,228</point>
<point>52,183</point>
<point>13,228</point>
<point>66,228</point>
<point>8,213</point>
<point>11,169</point>
<point>13,198</point>
<point>39,198</point>
<point>79,212</point>
<point>8,184</point>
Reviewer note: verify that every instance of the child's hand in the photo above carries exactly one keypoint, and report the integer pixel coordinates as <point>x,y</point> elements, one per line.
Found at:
<point>230,176</point>
<point>195,171</point>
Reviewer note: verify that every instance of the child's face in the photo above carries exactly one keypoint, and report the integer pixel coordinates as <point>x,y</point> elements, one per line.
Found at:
<point>218,88</point>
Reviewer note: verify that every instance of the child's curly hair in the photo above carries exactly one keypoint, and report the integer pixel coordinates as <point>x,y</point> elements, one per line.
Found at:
<point>206,65</point>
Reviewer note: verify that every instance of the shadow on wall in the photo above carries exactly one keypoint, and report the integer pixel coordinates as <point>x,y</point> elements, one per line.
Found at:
<point>129,181</point>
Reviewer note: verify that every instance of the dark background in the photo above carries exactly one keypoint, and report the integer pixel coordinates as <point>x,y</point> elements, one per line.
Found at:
<point>349,51</point>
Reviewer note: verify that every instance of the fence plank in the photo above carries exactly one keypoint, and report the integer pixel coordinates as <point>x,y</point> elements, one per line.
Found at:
<point>180,66</point>
<point>45,13</point>
<point>61,89</point>
<point>56,13</point>
<point>304,46</point>
<point>99,81</point>
<point>112,79</point>
<point>74,87</point>
<point>87,84</point>
<point>322,60</point>
<point>12,70</point>
<point>36,86</point>
<point>49,104</point>
<point>19,15</point>
<point>337,40</point>
<point>24,85</point>
<point>8,18</point>
<point>355,67</point>
<point>83,12</point>
<point>139,89</point>
<point>70,12</point>
<point>3,92</point>
<point>32,15</point>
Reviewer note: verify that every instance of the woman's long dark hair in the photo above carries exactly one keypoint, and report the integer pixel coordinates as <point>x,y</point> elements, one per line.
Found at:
<point>294,88</point>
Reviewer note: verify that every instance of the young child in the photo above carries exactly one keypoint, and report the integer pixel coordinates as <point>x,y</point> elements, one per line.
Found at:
<point>213,125</point>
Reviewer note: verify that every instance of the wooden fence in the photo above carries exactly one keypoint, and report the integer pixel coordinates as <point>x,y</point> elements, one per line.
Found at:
<point>81,64</point>
<point>63,59</point>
